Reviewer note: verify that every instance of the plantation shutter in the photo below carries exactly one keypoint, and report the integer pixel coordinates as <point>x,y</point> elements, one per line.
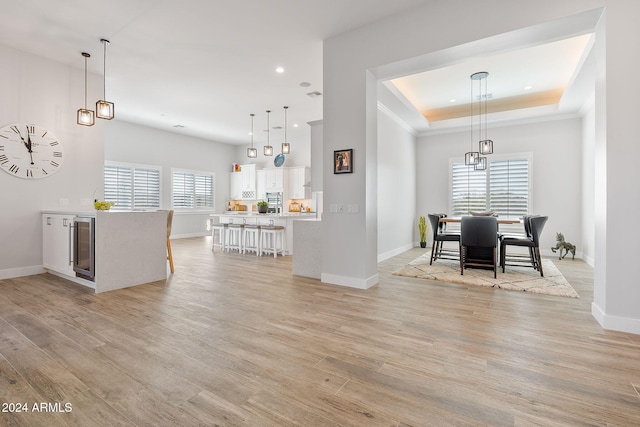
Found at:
<point>146,188</point>
<point>509,184</point>
<point>118,186</point>
<point>192,190</point>
<point>469,189</point>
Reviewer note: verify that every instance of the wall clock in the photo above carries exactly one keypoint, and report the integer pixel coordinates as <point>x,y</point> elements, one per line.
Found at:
<point>29,151</point>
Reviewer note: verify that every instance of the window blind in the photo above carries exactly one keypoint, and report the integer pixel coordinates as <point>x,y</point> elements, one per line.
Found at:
<point>131,187</point>
<point>192,190</point>
<point>502,188</point>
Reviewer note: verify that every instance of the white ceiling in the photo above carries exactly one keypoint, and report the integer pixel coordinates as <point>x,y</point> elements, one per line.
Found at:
<point>203,64</point>
<point>208,64</point>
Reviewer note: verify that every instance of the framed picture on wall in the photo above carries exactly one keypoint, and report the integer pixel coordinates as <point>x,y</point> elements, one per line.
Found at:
<point>343,161</point>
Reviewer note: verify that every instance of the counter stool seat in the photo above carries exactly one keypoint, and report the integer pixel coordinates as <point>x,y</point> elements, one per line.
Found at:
<point>269,236</point>
<point>234,237</point>
<point>251,239</point>
<point>222,236</point>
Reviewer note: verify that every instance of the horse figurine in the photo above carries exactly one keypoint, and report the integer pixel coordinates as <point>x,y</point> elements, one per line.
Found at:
<point>562,245</point>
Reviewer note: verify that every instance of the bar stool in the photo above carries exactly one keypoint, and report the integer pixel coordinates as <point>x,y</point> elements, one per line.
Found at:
<point>234,237</point>
<point>269,235</point>
<point>222,236</point>
<point>251,238</point>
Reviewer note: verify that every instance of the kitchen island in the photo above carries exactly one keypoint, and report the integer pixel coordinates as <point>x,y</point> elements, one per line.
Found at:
<point>253,218</point>
<point>129,247</point>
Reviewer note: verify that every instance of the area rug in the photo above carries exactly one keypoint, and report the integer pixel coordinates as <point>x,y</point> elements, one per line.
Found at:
<point>515,278</point>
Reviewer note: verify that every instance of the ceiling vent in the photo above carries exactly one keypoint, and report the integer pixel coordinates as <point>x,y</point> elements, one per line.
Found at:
<point>314,94</point>
<point>178,126</point>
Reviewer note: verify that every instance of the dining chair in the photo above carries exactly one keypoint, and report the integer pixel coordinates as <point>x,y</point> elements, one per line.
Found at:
<point>441,235</point>
<point>479,242</point>
<point>169,225</point>
<point>516,259</point>
<point>537,225</point>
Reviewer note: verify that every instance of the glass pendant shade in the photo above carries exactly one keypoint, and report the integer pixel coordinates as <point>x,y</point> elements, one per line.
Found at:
<point>481,165</point>
<point>471,158</point>
<point>104,110</point>
<point>486,146</point>
<point>85,117</point>
<point>286,148</point>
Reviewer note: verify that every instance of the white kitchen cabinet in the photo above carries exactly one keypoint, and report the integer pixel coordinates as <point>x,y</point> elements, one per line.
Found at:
<point>57,244</point>
<point>248,173</point>
<point>235,186</point>
<point>274,180</point>
<point>298,177</point>
<point>261,185</point>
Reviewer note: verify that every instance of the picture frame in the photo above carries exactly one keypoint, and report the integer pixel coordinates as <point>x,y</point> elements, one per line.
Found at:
<point>343,161</point>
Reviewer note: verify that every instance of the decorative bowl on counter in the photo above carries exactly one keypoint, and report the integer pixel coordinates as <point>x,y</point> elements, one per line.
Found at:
<point>102,206</point>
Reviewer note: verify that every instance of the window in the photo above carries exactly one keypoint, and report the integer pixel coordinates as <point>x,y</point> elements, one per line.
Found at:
<point>132,186</point>
<point>193,190</point>
<point>503,188</point>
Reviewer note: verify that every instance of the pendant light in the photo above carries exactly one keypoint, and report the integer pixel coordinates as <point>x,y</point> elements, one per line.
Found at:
<point>85,117</point>
<point>485,146</point>
<point>472,158</point>
<point>268,149</point>
<point>252,152</point>
<point>104,109</point>
<point>286,147</point>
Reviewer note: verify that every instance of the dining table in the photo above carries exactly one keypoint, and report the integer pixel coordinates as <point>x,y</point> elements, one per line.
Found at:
<point>500,221</point>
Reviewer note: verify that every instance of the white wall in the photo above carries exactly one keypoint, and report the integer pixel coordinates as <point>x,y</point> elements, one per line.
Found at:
<point>588,183</point>
<point>556,172</point>
<point>130,143</point>
<point>397,220</point>
<point>43,92</point>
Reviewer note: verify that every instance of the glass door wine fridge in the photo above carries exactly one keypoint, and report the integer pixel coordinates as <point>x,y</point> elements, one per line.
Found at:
<point>84,260</point>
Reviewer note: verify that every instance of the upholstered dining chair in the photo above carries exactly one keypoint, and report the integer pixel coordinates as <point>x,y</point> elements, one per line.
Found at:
<point>479,242</point>
<point>440,235</point>
<point>518,259</point>
<point>537,225</point>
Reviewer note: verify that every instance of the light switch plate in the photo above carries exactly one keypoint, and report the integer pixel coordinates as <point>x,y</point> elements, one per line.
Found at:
<point>333,208</point>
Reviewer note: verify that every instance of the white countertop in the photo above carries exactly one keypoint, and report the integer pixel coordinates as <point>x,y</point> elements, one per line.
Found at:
<point>301,215</point>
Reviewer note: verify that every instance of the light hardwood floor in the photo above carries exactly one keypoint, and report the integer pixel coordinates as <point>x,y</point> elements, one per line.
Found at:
<point>237,340</point>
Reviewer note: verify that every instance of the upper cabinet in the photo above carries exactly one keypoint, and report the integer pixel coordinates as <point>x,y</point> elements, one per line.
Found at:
<point>274,180</point>
<point>235,185</point>
<point>243,183</point>
<point>261,189</point>
<point>298,177</point>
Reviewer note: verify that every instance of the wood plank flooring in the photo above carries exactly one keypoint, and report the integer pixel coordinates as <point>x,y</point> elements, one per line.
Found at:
<point>236,340</point>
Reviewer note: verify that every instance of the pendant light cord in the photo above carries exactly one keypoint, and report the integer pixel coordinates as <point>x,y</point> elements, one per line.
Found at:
<point>252,130</point>
<point>104,68</point>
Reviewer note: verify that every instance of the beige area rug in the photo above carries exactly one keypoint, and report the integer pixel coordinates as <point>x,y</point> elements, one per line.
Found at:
<point>514,278</point>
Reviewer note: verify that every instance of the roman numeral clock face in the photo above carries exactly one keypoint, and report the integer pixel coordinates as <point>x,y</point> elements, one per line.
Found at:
<point>29,151</point>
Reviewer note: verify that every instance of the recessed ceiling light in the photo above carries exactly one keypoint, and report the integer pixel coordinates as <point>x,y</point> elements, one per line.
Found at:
<point>305,84</point>
<point>280,70</point>
<point>528,87</point>
<point>295,125</point>
<point>452,100</point>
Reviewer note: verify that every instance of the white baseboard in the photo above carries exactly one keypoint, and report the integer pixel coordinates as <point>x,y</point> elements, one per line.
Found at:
<point>10,273</point>
<point>615,323</point>
<point>351,282</point>
<point>188,235</point>
<point>398,251</point>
